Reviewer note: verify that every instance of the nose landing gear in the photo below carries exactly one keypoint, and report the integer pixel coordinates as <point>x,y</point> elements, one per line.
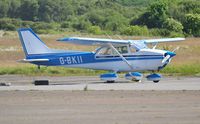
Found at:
<point>154,77</point>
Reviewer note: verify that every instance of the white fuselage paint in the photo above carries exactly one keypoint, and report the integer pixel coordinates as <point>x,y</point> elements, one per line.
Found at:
<point>121,65</point>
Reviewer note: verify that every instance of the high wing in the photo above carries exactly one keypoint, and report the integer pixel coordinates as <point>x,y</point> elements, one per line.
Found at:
<point>93,41</point>
<point>138,44</point>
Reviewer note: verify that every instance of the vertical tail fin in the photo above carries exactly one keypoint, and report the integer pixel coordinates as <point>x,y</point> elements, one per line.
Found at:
<point>31,43</point>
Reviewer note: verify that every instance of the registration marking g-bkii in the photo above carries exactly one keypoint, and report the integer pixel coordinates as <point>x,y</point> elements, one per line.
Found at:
<point>71,60</point>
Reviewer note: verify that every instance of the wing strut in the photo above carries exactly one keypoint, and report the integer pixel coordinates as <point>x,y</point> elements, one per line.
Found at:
<point>124,59</point>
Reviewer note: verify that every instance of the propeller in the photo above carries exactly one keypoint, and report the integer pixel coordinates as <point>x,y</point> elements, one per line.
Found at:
<point>169,55</point>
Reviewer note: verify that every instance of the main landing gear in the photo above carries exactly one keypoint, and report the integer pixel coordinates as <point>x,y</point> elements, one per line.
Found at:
<point>133,76</point>
<point>109,77</point>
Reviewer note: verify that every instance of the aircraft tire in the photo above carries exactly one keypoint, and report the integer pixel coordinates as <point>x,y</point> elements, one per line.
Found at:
<point>156,81</point>
<point>136,80</point>
<point>110,81</point>
<point>41,82</point>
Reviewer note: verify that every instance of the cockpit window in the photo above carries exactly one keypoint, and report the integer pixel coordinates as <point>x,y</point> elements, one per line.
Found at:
<point>104,51</point>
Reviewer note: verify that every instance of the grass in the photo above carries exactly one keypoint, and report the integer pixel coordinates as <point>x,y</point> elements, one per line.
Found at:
<point>51,71</point>
<point>179,70</point>
<point>183,70</point>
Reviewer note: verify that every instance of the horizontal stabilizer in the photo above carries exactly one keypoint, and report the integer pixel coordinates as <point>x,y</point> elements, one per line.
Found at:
<point>33,60</point>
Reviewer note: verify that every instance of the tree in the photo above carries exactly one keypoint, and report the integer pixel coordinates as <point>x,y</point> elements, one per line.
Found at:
<point>57,11</point>
<point>158,14</point>
<point>192,24</point>
<point>190,6</point>
<point>96,17</point>
<point>179,9</point>
<point>29,10</point>
<point>116,22</point>
<point>14,6</point>
<point>4,7</point>
<point>155,16</point>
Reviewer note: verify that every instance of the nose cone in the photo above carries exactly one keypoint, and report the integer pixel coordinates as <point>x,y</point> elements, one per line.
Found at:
<point>172,54</point>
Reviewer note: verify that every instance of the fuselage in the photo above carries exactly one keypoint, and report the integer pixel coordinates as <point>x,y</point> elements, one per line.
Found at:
<point>143,60</point>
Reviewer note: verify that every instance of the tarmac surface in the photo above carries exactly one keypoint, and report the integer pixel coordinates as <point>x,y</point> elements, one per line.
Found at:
<point>67,101</point>
<point>94,83</point>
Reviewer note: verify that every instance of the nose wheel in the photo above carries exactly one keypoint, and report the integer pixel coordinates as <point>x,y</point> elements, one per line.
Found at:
<point>154,77</point>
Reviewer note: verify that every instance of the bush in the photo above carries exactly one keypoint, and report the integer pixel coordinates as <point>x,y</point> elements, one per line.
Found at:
<point>173,25</point>
<point>176,34</point>
<point>42,27</point>
<point>136,30</point>
<point>94,30</point>
<point>27,24</point>
<point>65,24</point>
<point>165,33</point>
<point>82,25</point>
<point>9,24</point>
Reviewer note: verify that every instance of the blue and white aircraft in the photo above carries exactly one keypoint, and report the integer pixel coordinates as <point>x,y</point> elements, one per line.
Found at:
<point>131,56</point>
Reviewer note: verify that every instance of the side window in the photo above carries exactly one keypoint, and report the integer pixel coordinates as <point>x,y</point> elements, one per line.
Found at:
<point>122,49</point>
<point>104,51</point>
<point>109,52</point>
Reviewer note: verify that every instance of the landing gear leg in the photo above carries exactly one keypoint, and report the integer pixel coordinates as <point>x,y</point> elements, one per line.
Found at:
<point>39,67</point>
